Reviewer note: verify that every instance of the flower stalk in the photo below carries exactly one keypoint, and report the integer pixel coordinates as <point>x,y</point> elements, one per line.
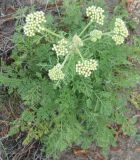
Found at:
<point>78,51</point>
<point>85,28</point>
<point>53,33</point>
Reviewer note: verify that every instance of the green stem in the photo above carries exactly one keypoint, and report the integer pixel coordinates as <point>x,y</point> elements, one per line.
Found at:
<point>53,33</point>
<point>78,51</point>
<point>104,34</point>
<point>85,28</point>
<point>97,97</point>
<point>107,33</point>
<point>86,39</point>
<point>87,35</point>
<point>65,60</point>
<point>62,65</point>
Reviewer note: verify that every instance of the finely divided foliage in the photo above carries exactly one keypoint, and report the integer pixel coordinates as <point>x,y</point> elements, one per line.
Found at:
<point>73,84</point>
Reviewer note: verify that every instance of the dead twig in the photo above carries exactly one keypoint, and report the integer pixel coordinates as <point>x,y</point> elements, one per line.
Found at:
<point>4,150</point>
<point>136,116</point>
<point>24,151</point>
<point>12,112</point>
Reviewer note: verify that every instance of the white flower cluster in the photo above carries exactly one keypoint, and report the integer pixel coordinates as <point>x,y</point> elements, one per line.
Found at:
<point>61,48</point>
<point>120,31</point>
<point>85,68</point>
<point>77,41</point>
<point>118,39</point>
<point>96,14</point>
<point>95,35</point>
<point>34,23</point>
<point>56,73</point>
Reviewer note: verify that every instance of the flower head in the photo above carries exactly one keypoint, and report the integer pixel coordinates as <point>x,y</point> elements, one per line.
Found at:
<point>120,28</point>
<point>77,41</point>
<point>61,48</point>
<point>34,23</point>
<point>120,31</point>
<point>56,73</point>
<point>96,14</point>
<point>118,39</point>
<point>86,67</point>
<point>95,35</point>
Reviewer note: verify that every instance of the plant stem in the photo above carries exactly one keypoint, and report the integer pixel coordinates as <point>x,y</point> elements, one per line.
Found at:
<point>57,9</point>
<point>85,28</point>
<point>107,33</point>
<point>87,35</point>
<point>53,33</point>
<point>86,39</point>
<point>62,65</point>
<point>65,60</point>
<point>78,51</point>
<point>97,97</point>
